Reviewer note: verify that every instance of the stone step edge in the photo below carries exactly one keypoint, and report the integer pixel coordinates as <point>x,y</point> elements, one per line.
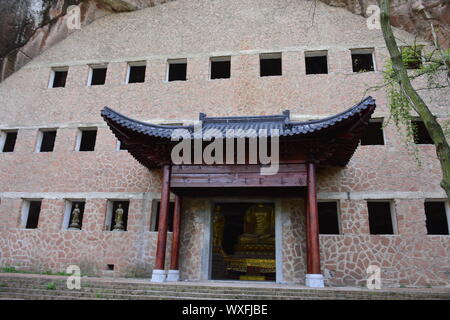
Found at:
<point>141,286</point>
<point>88,290</point>
<point>37,297</point>
<point>194,295</point>
<point>131,292</point>
<point>44,279</point>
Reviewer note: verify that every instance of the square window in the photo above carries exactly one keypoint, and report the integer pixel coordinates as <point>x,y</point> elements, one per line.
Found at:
<point>8,141</point>
<point>117,215</point>
<point>120,145</point>
<point>270,64</point>
<point>58,78</point>
<point>177,70</point>
<point>156,208</point>
<point>421,135</point>
<point>380,217</point>
<point>30,214</point>
<point>46,141</point>
<point>97,76</point>
<point>220,68</point>
<point>436,214</point>
<point>328,217</point>
<point>316,62</point>
<point>373,134</point>
<point>87,139</point>
<point>136,72</point>
<point>362,60</point>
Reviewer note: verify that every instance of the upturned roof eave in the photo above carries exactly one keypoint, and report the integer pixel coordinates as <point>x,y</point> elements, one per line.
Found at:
<point>281,122</point>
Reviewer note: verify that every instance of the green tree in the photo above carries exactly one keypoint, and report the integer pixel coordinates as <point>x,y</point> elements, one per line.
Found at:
<point>404,97</point>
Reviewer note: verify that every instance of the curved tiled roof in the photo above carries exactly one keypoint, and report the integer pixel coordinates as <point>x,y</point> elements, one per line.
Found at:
<point>331,140</point>
<point>246,126</point>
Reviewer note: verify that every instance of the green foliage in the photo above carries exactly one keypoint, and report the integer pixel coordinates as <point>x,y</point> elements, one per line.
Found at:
<point>412,57</point>
<point>48,272</point>
<point>98,296</point>
<point>9,270</point>
<point>400,111</point>
<point>51,286</point>
<point>435,65</point>
<point>431,65</point>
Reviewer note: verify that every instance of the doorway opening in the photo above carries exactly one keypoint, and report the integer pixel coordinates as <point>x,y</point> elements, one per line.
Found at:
<point>243,246</point>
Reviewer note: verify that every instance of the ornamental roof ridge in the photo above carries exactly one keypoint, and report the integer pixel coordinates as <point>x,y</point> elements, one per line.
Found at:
<point>282,122</point>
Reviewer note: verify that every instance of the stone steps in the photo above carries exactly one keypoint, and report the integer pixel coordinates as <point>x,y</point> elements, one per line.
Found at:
<point>230,293</point>
<point>43,287</point>
<point>204,294</point>
<point>157,295</point>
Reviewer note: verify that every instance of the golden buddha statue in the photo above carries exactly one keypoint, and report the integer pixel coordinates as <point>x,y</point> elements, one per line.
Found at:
<point>259,225</point>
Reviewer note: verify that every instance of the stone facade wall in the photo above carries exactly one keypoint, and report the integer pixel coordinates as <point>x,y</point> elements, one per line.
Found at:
<point>410,257</point>
<point>32,27</point>
<point>192,234</point>
<point>197,30</point>
<point>294,241</point>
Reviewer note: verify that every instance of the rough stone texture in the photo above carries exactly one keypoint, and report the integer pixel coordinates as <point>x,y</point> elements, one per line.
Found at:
<point>409,15</point>
<point>198,30</point>
<point>191,239</point>
<point>33,26</point>
<point>294,241</point>
<point>29,27</point>
<point>50,248</point>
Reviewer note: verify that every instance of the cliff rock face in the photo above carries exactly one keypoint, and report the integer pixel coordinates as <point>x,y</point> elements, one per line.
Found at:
<point>413,16</point>
<point>27,27</point>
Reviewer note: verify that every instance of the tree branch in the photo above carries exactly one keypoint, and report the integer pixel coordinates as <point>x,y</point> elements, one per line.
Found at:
<point>429,120</point>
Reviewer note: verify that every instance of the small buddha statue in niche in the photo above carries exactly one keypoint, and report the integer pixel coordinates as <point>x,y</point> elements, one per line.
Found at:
<point>259,225</point>
<point>118,218</point>
<point>75,223</point>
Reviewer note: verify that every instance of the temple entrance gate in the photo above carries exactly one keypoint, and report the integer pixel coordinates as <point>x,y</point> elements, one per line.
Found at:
<point>302,148</point>
<point>243,241</point>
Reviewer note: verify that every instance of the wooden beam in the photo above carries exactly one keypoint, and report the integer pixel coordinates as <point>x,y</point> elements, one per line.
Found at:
<point>289,175</point>
<point>235,168</point>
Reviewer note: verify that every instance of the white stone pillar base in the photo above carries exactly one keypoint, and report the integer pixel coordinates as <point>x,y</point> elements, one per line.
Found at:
<point>173,276</point>
<point>315,281</point>
<point>158,275</point>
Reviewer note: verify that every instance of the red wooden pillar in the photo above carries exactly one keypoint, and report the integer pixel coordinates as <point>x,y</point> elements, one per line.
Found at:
<point>313,277</point>
<point>174,272</point>
<point>158,271</point>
